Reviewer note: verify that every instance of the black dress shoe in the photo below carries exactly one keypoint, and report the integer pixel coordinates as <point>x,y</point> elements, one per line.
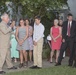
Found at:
<point>2,72</point>
<point>33,67</point>
<point>57,64</point>
<point>12,68</point>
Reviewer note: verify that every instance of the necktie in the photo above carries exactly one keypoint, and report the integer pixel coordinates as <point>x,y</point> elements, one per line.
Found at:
<point>69,29</point>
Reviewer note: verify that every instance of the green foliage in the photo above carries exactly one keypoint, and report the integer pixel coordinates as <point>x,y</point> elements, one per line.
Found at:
<point>37,7</point>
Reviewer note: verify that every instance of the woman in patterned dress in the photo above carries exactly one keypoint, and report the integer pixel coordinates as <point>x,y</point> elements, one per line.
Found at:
<point>30,40</point>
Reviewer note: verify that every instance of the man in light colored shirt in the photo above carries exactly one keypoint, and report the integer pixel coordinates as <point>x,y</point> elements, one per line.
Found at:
<point>38,43</point>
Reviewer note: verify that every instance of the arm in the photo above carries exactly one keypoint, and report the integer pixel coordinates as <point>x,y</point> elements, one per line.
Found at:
<point>60,30</point>
<point>17,34</point>
<point>4,29</point>
<point>34,34</point>
<point>64,30</point>
<point>51,33</point>
<point>31,31</point>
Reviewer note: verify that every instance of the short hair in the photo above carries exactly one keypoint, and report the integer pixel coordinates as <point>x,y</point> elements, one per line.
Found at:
<point>4,15</point>
<point>38,17</point>
<point>70,14</point>
<point>56,20</point>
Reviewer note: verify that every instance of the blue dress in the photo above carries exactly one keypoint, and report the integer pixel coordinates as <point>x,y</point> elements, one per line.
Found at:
<point>21,35</point>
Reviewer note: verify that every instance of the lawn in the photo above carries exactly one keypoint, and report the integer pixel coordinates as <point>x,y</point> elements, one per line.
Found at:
<point>60,70</point>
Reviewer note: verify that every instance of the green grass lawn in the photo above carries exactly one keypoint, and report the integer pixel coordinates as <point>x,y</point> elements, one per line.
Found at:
<point>60,70</point>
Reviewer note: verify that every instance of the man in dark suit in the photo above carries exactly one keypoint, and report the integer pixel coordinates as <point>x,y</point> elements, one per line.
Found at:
<point>68,39</point>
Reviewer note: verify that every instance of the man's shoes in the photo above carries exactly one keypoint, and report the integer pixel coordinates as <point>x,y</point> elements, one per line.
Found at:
<point>2,72</point>
<point>57,64</point>
<point>33,67</point>
<point>12,68</point>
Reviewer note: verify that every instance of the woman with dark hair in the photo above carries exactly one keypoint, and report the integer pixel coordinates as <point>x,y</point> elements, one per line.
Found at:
<point>22,46</point>
<point>30,40</point>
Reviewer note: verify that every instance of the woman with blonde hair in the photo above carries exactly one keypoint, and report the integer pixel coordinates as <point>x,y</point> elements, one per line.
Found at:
<point>55,33</point>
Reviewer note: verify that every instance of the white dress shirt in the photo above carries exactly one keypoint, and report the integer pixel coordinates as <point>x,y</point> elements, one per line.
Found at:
<point>38,32</point>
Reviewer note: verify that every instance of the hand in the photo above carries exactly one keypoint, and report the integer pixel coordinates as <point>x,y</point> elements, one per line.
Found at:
<point>35,43</point>
<point>20,42</point>
<point>63,40</point>
<point>54,39</point>
<point>12,24</point>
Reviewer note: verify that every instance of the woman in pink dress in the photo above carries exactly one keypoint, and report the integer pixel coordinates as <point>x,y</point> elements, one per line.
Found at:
<point>55,33</point>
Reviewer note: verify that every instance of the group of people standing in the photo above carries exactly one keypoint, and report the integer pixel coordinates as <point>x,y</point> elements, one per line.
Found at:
<point>20,39</point>
<point>63,37</point>
<point>24,37</point>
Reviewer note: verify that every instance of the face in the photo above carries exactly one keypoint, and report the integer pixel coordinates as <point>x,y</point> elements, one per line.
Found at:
<point>55,23</point>
<point>37,21</point>
<point>70,18</point>
<point>27,22</point>
<point>21,22</point>
<point>6,19</point>
<point>60,22</point>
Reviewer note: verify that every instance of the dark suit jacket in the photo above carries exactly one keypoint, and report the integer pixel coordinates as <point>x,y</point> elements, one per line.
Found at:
<point>72,30</point>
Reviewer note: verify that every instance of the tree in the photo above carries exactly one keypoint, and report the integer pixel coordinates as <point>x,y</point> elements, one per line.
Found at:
<point>32,8</point>
<point>42,7</point>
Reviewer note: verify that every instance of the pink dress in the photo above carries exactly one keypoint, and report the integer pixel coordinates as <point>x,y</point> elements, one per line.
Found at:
<point>55,45</point>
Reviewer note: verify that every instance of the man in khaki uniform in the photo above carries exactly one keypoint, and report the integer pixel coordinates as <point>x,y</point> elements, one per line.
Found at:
<point>5,43</point>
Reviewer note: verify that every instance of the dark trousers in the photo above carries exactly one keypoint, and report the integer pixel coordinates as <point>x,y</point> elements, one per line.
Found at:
<point>69,43</point>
